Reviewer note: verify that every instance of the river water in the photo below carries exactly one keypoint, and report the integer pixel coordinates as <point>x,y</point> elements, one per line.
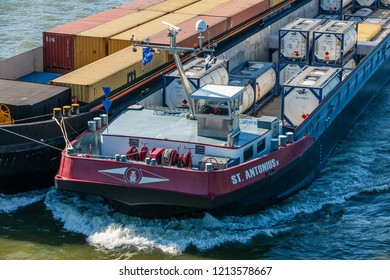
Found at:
<point>344,214</point>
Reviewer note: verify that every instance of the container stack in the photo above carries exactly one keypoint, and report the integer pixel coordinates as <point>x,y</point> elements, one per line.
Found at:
<point>303,93</point>
<point>295,44</point>
<point>335,43</point>
<point>259,79</point>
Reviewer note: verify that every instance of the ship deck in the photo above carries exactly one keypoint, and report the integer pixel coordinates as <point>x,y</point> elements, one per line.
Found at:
<point>272,108</point>
<point>155,124</point>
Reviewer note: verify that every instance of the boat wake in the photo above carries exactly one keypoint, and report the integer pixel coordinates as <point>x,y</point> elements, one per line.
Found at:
<point>11,203</point>
<point>352,170</point>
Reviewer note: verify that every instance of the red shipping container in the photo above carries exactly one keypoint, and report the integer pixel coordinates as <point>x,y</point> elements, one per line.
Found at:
<point>239,11</point>
<point>139,4</point>
<point>188,36</point>
<point>58,43</point>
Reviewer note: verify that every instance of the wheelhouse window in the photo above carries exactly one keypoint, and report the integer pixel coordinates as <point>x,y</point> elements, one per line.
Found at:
<point>248,153</point>
<point>260,146</point>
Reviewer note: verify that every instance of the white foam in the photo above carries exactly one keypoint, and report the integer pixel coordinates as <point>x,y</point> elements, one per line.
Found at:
<point>10,203</point>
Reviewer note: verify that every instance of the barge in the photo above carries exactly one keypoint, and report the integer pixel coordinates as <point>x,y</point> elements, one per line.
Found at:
<point>213,157</point>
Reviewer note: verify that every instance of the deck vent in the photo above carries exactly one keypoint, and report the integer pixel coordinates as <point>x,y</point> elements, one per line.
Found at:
<point>133,142</point>
<point>200,150</point>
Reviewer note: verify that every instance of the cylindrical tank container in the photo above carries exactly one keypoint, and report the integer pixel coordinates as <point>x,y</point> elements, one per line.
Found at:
<point>380,21</point>
<point>334,43</point>
<point>328,16</point>
<point>333,6</point>
<point>248,96</point>
<point>303,93</point>
<point>198,74</point>
<point>287,71</point>
<point>262,74</point>
<point>384,3</point>
<point>365,3</point>
<point>381,13</point>
<point>358,15</point>
<point>295,39</point>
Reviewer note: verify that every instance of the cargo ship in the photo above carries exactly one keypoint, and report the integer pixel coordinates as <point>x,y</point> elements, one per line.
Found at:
<point>80,58</point>
<point>235,145</point>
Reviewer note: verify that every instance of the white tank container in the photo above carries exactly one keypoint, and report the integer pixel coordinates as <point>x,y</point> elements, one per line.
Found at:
<point>351,64</point>
<point>288,71</point>
<point>333,5</point>
<point>328,40</point>
<point>380,21</point>
<point>295,39</point>
<point>248,95</point>
<point>195,70</point>
<point>382,13</point>
<point>304,93</point>
<point>365,3</point>
<point>358,15</point>
<point>384,3</point>
<point>262,74</point>
<point>258,85</point>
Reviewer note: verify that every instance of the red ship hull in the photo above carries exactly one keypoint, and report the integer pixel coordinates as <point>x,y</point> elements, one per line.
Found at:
<point>161,191</point>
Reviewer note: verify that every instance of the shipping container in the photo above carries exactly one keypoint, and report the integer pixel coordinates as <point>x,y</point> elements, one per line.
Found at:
<point>380,21</point>
<point>333,6</point>
<point>273,3</point>
<point>367,31</point>
<point>263,80</point>
<point>199,8</point>
<point>358,15</point>
<point>381,13</point>
<point>365,3</point>
<point>169,6</point>
<point>384,4</point>
<point>58,43</point>
<point>239,11</point>
<point>328,16</point>
<point>115,71</point>
<point>143,31</point>
<point>189,36</point>
<point>295,40</point>
<point>303,93</point>
<point>288,70</point>
<point>92,44</point>
<point>334,43</point>
<point>139,4</point>
<point>198,75</point>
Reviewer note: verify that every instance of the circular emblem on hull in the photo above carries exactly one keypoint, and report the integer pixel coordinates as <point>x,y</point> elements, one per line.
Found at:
<point>133,175</point>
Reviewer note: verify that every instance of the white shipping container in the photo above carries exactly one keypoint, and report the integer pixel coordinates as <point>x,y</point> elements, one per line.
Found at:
<point>380,21</point>
<point>328,44</point>
<point>296,38</point>
<point>365,3</point>
<point>334,5</point>
<point>384,3</point>
<point>289,71</point>
<point>175,95</point>
<point>358,15</point>
<point>299,100</point>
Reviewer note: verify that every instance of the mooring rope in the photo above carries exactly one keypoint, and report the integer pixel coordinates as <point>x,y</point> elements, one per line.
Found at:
<point>31,139</point>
